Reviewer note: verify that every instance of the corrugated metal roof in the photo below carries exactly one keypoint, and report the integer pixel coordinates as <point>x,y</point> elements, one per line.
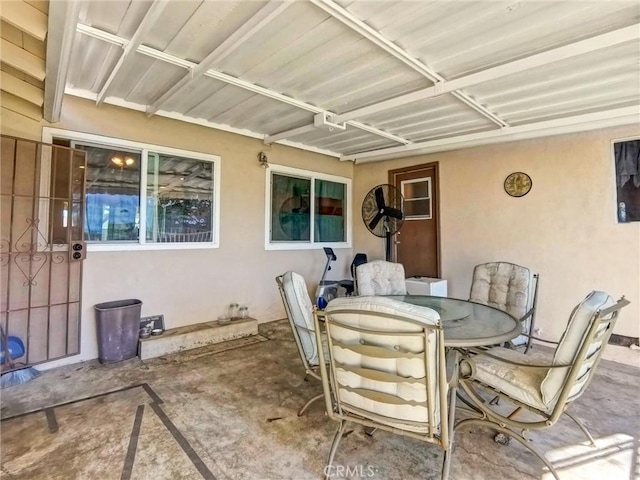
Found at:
<point>398,73</point>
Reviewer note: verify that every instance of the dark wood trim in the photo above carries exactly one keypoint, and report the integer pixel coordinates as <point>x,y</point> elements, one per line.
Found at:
<point>436,173</point>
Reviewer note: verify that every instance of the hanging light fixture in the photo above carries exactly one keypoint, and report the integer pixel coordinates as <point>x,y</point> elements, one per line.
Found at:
<point>120,162</point>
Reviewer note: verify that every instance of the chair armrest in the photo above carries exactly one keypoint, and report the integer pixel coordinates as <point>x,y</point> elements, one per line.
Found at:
<point>485,353</point>
<point>553,342</point>
<point>538,338</point>
<point>527,315</point>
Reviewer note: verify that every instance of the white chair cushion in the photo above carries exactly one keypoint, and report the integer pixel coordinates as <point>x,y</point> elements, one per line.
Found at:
<point>518,382</point>
<point>295,290</point>
<point>506,286</point>
<point>502,285</point>
<point>380,278</point>
<point>375,378</point>
<point>571,341</point>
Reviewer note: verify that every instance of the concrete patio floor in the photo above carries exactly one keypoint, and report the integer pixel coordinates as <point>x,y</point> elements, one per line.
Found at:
<point>228,411</point>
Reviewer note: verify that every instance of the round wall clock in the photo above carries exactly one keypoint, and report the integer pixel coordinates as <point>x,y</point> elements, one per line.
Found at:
<point>517,184</point>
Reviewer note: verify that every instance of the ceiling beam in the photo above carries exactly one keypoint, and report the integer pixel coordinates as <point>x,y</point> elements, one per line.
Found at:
<point>464,98</point>
<point>223,77</point>
<point>25,17</point>
<point>63,19</point>
<point>294,132</point>
<point>265,15</point>
<point>98,34</point>
<point>150,18</point>
<point>357,25</point>
<point>589,121</point>
<point>610,39</point>
<point>118,102</point>
<point>381,133</point>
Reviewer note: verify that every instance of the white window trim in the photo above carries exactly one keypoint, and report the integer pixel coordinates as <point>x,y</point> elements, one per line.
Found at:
<point>48,135</point>
<point>311,245</point>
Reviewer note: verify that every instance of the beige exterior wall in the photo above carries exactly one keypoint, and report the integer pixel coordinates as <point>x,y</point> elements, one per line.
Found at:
<point>193,286</point>
<point>565,229</point>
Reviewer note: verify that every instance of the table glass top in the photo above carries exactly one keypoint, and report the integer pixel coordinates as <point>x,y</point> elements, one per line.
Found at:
<point>467,324</point>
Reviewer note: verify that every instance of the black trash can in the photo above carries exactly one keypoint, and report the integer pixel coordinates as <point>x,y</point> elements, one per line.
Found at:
<point>118,326</point>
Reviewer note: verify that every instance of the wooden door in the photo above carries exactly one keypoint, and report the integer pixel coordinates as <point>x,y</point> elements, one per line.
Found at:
<point>417,244</point>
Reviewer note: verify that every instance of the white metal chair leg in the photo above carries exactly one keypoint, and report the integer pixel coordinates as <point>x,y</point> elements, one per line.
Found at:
<point>448,453</point>
<point>334,447</point>
<point>306,405</point>
<point>512,434</point>
<point>582,427</point>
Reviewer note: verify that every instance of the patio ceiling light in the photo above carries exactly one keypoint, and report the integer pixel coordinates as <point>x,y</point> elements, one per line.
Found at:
<point>264,161</point>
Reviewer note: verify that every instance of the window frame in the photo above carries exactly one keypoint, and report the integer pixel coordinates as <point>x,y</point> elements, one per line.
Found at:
<point>48,134</point>
<point>312,177</point>
<point>430,197</point>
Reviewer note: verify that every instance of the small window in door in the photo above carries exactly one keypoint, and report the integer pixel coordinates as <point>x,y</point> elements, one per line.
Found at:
<point>417,198</point>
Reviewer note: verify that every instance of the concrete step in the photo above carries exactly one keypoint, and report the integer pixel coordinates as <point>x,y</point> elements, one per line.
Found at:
<point>195,336</point>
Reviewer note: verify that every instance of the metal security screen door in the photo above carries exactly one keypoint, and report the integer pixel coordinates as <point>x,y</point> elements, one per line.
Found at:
<point>41,248</point>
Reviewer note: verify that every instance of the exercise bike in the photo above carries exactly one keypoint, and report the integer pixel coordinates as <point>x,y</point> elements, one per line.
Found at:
<point>329,289</point>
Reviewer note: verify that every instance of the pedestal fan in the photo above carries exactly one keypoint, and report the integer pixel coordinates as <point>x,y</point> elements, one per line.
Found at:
<point>382,213</point>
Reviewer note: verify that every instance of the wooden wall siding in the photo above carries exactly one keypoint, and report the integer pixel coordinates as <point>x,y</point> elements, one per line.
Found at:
<point>23,28</point>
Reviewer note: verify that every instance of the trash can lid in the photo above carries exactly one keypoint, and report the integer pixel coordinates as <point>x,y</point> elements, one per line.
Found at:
<point>131,302</point>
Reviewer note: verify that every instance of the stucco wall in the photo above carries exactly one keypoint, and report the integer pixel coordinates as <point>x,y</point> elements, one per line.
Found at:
<point>565,229</point>
<point>193,286</point>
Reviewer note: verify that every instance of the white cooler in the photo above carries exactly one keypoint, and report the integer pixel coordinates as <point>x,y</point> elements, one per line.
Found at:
<point>435,287</point>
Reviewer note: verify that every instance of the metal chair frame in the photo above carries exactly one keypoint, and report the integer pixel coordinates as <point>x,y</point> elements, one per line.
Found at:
<point>310,370</point>
<point>508,424</point>
<point>446,386</point>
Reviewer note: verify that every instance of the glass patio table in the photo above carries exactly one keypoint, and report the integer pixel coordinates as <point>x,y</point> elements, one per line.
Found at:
<point>465,323</point>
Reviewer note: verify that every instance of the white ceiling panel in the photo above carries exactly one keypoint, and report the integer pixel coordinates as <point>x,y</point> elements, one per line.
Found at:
<point>578,85</point>
<point>351,139</point>
<point>208,27</point>
<point>393,73</point>
<point>90,58</point>
<point>119,17</point>
<point>417,120</point>
<point>151,81</point>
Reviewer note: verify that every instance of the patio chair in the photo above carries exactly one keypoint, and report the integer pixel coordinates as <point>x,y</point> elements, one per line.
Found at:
<point>543,389</point>
<point>511,288</point>
<point>299,309</point>
<point>387,370</point>
<point>380,277</point>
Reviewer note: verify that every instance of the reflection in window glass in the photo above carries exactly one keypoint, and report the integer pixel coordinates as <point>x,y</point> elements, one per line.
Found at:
<point>290,209</point>
<point>179,199</point>
<point>329,212</point>
<point>417,208</point>
<point>418,189</point>
<point>417,199</point>
<point>112,194</point>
